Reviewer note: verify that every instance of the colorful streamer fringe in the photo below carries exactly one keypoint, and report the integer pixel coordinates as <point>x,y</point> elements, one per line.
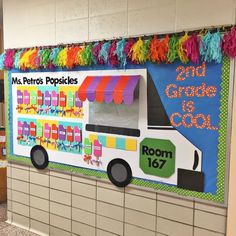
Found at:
<point>195,47</point>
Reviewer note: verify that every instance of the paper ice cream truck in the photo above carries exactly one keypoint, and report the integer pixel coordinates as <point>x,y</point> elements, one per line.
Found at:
<point>124,132</point>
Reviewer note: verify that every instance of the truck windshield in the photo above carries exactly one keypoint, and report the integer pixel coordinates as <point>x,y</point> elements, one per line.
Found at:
<point>113,118</point>
<point>157,117</point>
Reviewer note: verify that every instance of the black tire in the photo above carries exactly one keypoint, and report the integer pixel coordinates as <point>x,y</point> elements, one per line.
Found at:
<point>39,157</point>
<point>119,172</point>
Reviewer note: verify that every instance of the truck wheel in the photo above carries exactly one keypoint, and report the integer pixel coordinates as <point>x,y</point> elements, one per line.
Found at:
<point>39,157</point>
<point>119,172</point>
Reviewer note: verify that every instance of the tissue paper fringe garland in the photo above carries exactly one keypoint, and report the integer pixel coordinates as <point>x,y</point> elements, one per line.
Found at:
<point>209,47</point>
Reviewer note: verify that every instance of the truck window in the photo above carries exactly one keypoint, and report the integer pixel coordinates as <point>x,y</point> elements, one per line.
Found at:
<point>157,117</point>
<point>113,118</point>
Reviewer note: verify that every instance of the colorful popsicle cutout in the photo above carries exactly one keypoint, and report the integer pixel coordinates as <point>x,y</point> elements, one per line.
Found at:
<point>70,100</point>
<point>69,134</point>
<point>62,99</point>
<point>47,130</point>
<point>54,98</point>
<point>87,147</point>
<point>32,129</point>
<point>40,97</point>
<point>26,98</point>
<point>62,133</point>
<point>19,97</point>
<point>47,99</point>
<point>39,130</point>
<point>54,132</point>
<point>20,128</point>
<point>78,102</point>
<point>33,97</point>
<point>26,128</point>
<point>77,134</point>
<point>97,148</point>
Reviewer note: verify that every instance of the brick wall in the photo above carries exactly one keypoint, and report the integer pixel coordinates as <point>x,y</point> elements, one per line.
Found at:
<point>65,204</point>
<point>50,201</point>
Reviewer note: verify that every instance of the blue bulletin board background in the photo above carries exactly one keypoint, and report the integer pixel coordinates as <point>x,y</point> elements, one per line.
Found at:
<point>203,138</point>
<point>212,142</point>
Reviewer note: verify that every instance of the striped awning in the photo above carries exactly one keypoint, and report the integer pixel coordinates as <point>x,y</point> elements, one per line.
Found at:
<point>109,88</point>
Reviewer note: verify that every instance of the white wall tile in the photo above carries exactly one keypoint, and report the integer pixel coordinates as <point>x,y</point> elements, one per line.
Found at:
<point>20,197</point>
<point>137,231</point>
<point>39,191</point>
<point>9,183</point>
<point>104,7</point>
<point>20,174</point>
<point>40,179</point>
<point>84,179</point>
<point>176,201</point>
<point>60,197</point>
<point>141,4</point>
<point>40,12</point>
<point>173,228</point>
<point>20,209</point>
<point>58,232</point>
<point>204,232</point>
<point>202,13</point>
<point>108,26</point>
<point>60,174</point>
<point>83,217</point>
<point>20,186</point>
<point>84,203</point>
<point>39,35</point>
<point>111,211</point>
<point>72,31</point>
<point>20,220</point>
<point>152,20</point>
<point>71,10</point>
<point>60,184</point>
<point>140,219</point>
<point>9,216</point>
<point>110,225</point>
<point>39,227</point>
<point>84,190</point>
<point>39,203</point>
<point>60,222</point>
<point>140,204</point>
<point>210,221</point>
<point>82,229</point>
<point>172,212</point>
<point>61,210</point>
<point>110,196</point>
<point>212,209</point>
<point>39,215</point>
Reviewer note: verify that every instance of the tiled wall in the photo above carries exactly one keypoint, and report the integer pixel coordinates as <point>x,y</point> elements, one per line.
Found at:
<point>45,22</point>
<point>64,204</point>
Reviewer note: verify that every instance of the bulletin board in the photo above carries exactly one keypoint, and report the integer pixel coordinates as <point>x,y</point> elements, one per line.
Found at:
<point>195,99</point>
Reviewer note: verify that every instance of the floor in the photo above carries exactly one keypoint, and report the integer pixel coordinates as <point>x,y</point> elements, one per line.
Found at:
<point>8,229</point>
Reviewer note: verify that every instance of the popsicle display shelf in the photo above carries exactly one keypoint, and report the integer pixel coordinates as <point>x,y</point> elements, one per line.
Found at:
<point>53,136</point>
<point>50,102</point>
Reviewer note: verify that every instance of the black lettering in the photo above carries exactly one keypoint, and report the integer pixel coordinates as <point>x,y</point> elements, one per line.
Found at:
<point>158,152</point>
<point>15,80</point>
<point>145,150</point>
<point>166,154</point>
